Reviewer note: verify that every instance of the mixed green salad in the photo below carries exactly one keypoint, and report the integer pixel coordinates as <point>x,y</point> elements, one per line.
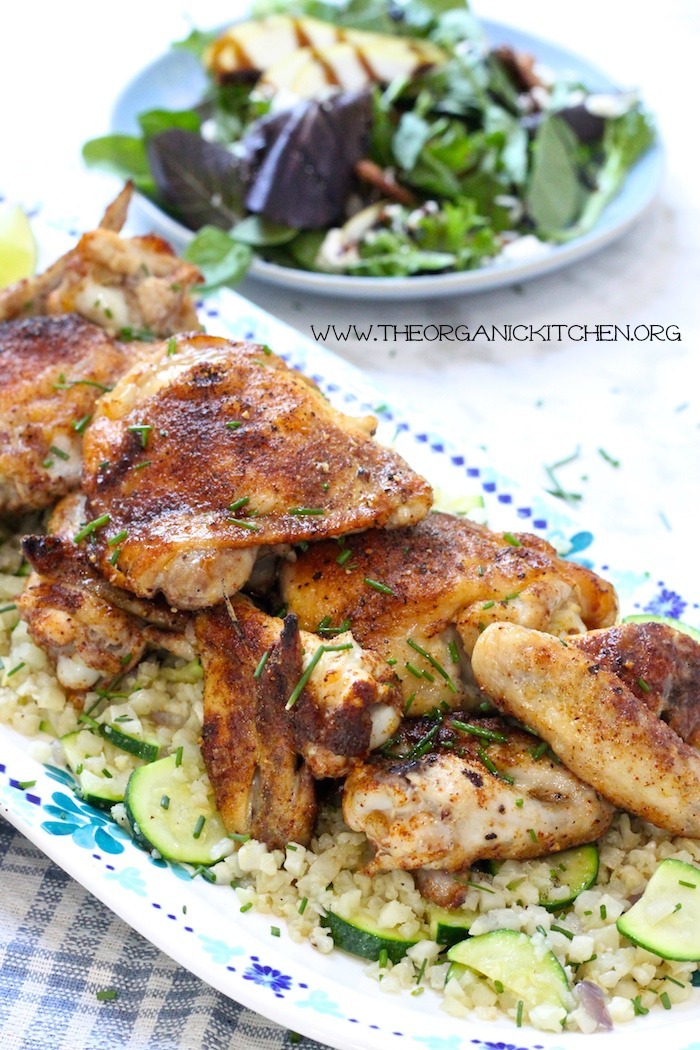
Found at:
<point>376,138</point>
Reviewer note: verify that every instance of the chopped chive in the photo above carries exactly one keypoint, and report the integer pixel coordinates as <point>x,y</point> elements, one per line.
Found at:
<point>90,527</point>
<point>299,687</point>
<point>424,743</point>
<point>301,512</point>
<point>433,663</point>
<point>59,452</point>
<point>690,885</point>
<point>275,931</point>
<point>498,985</point>
<point>207,875</point>
<point>8,608</point>
<point>519,802</point>
<point>412,669</point>
<point>143,429</point>
<point>233,424</point>
<point>493,768</point>
<point>514,883</point>
<point>566,933</point>
<point>142,335</point>
<point>511,539</point>
<point>480,570</point>
<point>237,504</point>
<point>532,833</point>
<point>408,704</point>
<point>107,994</point>
<point>118,537</point>
<point>178,755</point>
<point>392,661</point>
<point>644,686</point>
<point>246,907</point>
<point>79,425</point>
<point>291,846</point>
<point>47,463</point>
<point>677,908</point>
<point>665,1001</point>
<point>488,605</point>
<point>639,1010</point>
<point>165,801</point>
<point>344,556</point>
<point>519,1014</point>
<point>485,734</point>
<point>383,959</point>
<point>142,464</point>
<point>378,586</point>
<point>603,912</point>
<point>66,384</point>
<point>674,981</point>
<point>608,458</point>
<point>261,664</point>
<point>454,652</point>
<point>243,524</point>
<point>450,971</point>
<point>238,836</point>
<point>302,905</point>
<point>106,773</point>
<point>114,557</point>
<point>172,343</point>
<point>541,929</point>
<point>538,751</point>
<point>24,784</point>
<point>479,886</point>
<point>16,668</point>
<point>419,976</point>
<point>324,626</point>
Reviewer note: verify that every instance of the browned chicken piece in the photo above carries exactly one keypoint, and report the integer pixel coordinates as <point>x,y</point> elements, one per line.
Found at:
<point>131,287</point>
<point>260,785</point>
<point>594,723</point>
<point>208,450</point>
<point>420,597</point>
<point>88,628</point>
<point>344,701</point>
<point>659,665</point>
<point>454,791</point>
<point>52,370</point>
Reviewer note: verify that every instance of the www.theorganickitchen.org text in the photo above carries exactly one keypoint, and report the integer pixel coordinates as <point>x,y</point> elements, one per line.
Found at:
<point>507,333</point>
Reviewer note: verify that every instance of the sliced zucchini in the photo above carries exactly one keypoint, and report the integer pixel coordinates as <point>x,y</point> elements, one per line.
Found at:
<point>361,936</point>
<point>449,925</point>
<point>146,749</point>
<point>102,788</point>
<point>164,816</point>
<point>677,625</point>
<point>511,958</point>
<point>575,868</point>
<point>666,918</point>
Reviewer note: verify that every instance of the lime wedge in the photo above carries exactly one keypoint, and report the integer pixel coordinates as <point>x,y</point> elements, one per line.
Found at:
<point>17,245</point>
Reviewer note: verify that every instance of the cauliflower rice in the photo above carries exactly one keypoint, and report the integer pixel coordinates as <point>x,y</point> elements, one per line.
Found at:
<point>162,700</point>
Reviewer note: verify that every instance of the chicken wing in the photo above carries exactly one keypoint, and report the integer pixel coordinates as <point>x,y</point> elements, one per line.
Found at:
<point>594,723</point>
<point>660,665</point>
<point>208,450</point>
<point>420,596</point>
<point>88,628</point>
<point>52,370</point>
<point>132,287</point>
<point>463,789</point>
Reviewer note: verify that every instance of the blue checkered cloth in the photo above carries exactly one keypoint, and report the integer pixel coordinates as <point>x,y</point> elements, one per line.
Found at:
<point>60,948</point>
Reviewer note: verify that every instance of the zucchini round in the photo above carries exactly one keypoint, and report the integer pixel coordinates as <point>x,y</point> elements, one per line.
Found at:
<point>164,816</point>
<point>361,936</point>
<point>666,918</point>
<point>511,958</point>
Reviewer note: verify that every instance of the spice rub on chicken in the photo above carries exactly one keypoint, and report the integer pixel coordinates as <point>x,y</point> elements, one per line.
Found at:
<point>280,707</point>
<point>420,596</point>
<point>131,287</point>
<point>594,723</point>
<point>208,450</point>
<point>52,370</point>
<point>448,792</point>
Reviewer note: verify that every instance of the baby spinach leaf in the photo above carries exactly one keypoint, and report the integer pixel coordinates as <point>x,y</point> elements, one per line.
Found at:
<point>554,195</point>
<point>222,260</point>
<point>122,155</point>
<point>259,233</point>
<point>156,120</point>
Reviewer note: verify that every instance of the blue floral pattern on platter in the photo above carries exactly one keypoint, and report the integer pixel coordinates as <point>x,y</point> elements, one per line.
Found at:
<point>224,950</point>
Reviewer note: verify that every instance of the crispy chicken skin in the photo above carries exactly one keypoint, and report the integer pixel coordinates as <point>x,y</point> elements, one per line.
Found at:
<point>119,283</point>
<point>435,587</point>
<point>261,786</point>
<point>594,723</point>
<point>454,796</point>
<point>88,628</point>
<point>659,665</point>
<point>207,450</point>
<point>350,703</point>
<point>52,370</point>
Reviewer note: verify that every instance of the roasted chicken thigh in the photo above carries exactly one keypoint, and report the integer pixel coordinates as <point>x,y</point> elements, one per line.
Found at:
<point>208,450</point>
<point>420,597</point>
